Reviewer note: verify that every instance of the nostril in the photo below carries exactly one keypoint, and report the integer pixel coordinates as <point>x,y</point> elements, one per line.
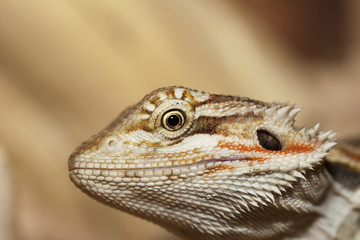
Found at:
<point>111,144</point>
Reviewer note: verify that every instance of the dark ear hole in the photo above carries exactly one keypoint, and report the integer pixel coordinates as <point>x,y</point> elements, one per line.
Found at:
<point>268,140</point>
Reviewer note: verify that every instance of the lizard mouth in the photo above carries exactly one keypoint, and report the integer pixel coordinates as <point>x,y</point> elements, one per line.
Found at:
<point>80,176</point>
<point>204,166</point>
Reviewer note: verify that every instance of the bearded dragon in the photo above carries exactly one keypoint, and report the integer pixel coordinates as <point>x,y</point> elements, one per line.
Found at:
<point>207,166</point>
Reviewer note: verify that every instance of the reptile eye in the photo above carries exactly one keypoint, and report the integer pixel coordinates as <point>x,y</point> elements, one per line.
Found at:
<point>173,120</point>
<point>268,140</point>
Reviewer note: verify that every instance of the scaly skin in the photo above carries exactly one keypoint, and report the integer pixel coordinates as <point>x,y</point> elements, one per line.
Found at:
<point>208,166</point>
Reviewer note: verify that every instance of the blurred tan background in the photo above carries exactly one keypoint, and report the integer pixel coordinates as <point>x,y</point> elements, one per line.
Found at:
<point>67,68</point>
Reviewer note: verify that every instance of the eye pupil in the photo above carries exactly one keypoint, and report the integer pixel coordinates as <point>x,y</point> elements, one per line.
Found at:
<point>173,120</point>
<point>268,141</point>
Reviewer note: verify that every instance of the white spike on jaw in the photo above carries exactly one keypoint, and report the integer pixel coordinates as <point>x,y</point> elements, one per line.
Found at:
<point>321,155</point>
<point>259,111</point>
<point>290,178</point>
<point>324,135</point>
<point>313,131</point>
<point>328,145</point>
<point>324,141</point>
<point>294,112</point>
<point>303,131</point>
<point>316,127</point>
<point>305,165</point>
<point>298,174</point>
<point>284,112</point>
<point>271,111</point>
<point>270,197</point>
<point>332,135</point>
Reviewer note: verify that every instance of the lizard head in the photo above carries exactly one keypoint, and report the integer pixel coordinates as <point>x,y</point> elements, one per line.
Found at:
<point>196,162</point>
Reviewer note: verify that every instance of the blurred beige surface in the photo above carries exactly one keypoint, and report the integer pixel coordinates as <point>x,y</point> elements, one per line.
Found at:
<point>67,68</point>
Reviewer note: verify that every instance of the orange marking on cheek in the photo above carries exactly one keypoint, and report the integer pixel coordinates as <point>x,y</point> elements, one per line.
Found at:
<point>257,159</point>
<point>220,167</point>
<point>299,148</point>
<point>292,148</point>
<point>223,167</point>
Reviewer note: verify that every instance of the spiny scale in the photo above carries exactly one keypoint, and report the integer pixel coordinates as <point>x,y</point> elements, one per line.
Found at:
<point>224,167</point>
